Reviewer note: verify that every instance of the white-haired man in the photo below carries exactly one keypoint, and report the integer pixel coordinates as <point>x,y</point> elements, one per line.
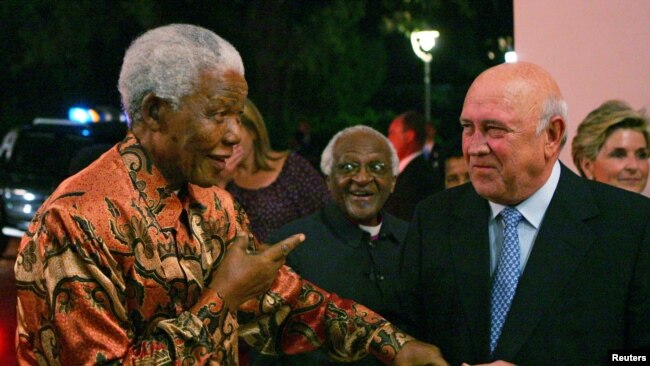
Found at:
<point>353,247</point>
<point>140,259</point>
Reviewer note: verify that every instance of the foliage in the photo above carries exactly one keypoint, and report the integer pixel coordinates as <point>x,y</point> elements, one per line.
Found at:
<point>59,53</point>
<point>334,63</point>
<point>337,69</point>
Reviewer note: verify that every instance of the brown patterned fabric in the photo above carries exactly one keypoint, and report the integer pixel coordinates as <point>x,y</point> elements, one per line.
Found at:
<point>113,265</point>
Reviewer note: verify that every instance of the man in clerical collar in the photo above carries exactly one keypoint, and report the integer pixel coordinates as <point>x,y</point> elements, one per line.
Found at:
<point>353,247</point>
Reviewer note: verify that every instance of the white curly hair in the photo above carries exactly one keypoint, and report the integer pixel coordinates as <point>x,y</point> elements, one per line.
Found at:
<point>167,61</point>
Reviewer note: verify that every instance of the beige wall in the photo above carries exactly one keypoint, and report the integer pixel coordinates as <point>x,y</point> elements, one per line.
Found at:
<point>596,50</point>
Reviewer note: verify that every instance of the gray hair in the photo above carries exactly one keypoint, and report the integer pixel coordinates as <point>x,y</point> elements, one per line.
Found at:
<point>554,106</point>
<point>327,158</point>
<point>167,61</point>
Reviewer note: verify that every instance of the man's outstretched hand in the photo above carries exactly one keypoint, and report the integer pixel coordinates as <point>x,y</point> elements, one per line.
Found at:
<point>244,273</point>
<point>416,353</point>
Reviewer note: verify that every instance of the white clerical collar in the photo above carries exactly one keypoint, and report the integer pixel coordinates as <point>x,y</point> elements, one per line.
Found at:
<point>372,230</point>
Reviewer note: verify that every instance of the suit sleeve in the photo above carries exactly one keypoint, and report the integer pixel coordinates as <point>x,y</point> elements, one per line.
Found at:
<point>411,275</point>
<point>638,308</point>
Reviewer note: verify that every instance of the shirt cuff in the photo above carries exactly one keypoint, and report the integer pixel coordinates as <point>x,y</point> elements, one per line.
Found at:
<point>386,342</point>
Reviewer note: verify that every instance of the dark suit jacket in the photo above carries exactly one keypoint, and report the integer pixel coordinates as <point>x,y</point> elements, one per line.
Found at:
<point>585,288</point>
<point>416,182</point>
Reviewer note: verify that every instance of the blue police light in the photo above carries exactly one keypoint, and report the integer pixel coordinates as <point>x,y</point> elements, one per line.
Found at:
<point>78,114</point>
<point>83,115</point>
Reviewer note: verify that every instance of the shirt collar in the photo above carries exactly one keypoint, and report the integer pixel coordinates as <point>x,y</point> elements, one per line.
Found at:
<point>149,182</point>
<point>534,207</point>
<point>372,230</point>
<point>404,162</point>
<point>349,231</point>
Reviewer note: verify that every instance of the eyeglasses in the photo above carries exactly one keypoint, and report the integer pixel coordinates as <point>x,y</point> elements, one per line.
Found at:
<point>374,168</point>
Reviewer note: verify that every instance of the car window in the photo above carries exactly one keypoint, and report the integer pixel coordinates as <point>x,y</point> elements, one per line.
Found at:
<point>46,152</point>
<point>54,152</point>
<point>7,146</point>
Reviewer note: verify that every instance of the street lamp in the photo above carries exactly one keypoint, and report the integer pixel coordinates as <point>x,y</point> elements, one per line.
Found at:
<point>510,56</point>
<point>423,43</point>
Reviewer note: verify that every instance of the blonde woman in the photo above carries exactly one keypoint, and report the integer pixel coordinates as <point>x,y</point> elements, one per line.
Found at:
<point>274,187</point>
<point>612,146</point>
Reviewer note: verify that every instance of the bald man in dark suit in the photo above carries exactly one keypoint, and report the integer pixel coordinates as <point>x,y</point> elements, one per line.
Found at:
<point>575,262</point>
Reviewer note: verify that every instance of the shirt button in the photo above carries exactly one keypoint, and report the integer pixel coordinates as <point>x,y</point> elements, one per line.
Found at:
<point>371,244</point>
<point>380,277</point>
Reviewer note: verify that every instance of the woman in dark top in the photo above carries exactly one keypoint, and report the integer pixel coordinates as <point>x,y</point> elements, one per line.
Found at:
<point>274,187</point>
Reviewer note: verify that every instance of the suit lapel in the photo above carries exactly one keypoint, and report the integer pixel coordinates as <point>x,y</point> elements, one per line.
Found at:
<point>469,247</point>
<point>561,243</point>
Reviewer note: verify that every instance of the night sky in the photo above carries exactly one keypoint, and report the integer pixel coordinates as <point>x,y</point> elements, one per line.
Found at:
<point>301,57</point>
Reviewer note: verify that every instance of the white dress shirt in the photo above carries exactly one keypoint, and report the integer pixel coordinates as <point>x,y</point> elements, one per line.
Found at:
<point>404,162</point>
<point>532,209</point>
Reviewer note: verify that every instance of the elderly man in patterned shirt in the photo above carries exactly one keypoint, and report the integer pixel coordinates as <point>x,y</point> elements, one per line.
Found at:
<point>139,259</point>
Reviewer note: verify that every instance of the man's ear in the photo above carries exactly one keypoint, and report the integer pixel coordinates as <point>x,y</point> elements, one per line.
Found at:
<point>554,132</point>
<point>409,135</point>
<point>150,110</point>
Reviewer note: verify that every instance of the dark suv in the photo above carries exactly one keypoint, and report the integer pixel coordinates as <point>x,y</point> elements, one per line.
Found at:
<point>36,158</point>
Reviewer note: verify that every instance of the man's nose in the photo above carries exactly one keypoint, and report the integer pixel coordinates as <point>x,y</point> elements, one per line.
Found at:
<point>362,176</point>
<point>476,144</point>
<point>232,133</point>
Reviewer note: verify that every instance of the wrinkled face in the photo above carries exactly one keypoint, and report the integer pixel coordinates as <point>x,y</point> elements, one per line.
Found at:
<point>362,176</point>
<point>246,141</point>
<point>193,142</point>
<point>507,160</point>
<point>621,162</point>
<point>455,172</point>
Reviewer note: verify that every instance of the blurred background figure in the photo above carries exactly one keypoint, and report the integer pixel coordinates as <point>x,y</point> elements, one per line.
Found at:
<point>274,187</point>
<point>352,246</point>
<point>430,145</point>
<point>432,151</point>
<point>612,146</point>
<point>416,179</point>
<point>455,167</point>
<point>306,143</point>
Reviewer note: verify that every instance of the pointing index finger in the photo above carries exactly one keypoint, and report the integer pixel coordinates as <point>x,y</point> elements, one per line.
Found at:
<point>280,250</point>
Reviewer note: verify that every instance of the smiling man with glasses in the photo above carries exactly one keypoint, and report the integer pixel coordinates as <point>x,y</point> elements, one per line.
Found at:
<point>353,247</point>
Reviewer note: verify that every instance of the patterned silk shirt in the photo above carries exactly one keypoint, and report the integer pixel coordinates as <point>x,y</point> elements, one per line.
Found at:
<point>113,265</point>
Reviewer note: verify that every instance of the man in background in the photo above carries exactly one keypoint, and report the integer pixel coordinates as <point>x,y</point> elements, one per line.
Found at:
<point>455,167</point>
<point>416,179</point>
<point>432,150</point>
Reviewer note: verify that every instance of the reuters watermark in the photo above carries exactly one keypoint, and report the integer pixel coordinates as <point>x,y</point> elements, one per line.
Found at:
<point>627,357</point>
